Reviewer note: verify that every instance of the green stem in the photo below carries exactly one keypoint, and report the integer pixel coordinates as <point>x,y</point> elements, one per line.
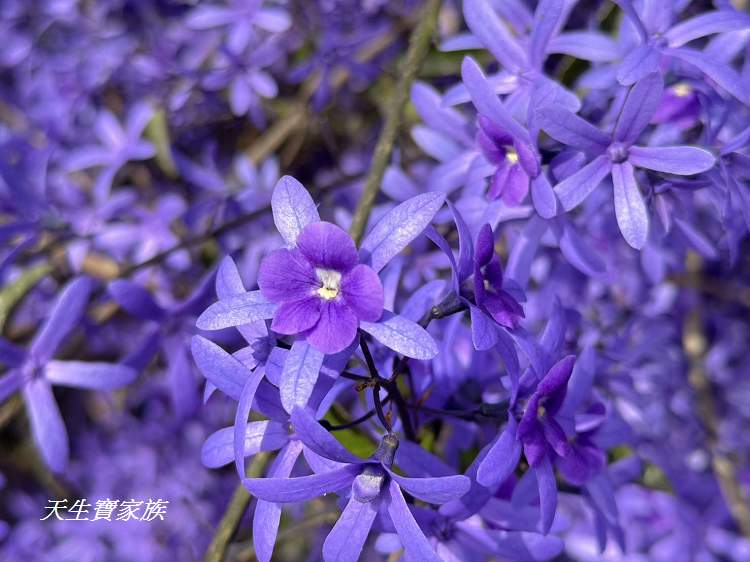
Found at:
<point>11,294</point>
<point>419,44</point>
<point>233,515</point>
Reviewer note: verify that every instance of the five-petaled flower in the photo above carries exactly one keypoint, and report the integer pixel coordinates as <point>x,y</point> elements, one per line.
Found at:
<point>321,288</point>
<point>33,372</point>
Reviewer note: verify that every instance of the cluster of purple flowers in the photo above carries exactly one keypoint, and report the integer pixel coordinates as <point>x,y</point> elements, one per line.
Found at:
<point>535,348</point>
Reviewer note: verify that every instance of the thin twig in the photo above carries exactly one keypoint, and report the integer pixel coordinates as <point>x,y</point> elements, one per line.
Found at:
<point>716,288</point>
<point>312,522</point>
<point>419,44</point>
<point>296,117</point>
<point>11,294</point>
<point>725,470</point>
<point>375,377</point>
<point>233,515</point>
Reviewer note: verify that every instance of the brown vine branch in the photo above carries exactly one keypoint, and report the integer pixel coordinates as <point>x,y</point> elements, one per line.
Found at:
<point>419,44</point>
<point>294,120</point>
<point>233,515</point>
<point>695,346</point>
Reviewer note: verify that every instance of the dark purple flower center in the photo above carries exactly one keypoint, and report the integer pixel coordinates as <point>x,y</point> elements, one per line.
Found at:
<point>31,370</point>
<point>618,152</point>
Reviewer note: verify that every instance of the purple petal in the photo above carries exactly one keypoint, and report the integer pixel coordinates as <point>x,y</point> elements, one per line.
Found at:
<point>574,189</point>
<point>293,208</point>
<point>11,355</point>
<point>336,328</point>
<point>701,244</point>
<point>502,458</point>
<point>66,313</point>
<point>440,241</point>
<point>297,316</point>
<point>524,250</point>
<point>557,378</point>
<point>587,45</point>
<point>272,19</point>
<point>546,19</point>
<point>639,107</point>
<point>286,275</point>
<point>208,16</point>
<point>531,547</point>
<point>289,490</point>
<point>218,449</point>
<point>556,437</point>
<point>244,405</point>
<point>638,63</point>
<point>47,425</point>
<point>581,463</point>
<point>219,367</point>
<point>345,541</point>
<point>571,130</point>
<point>485,24</point>
<point>135,299</point>
<point>630,209</point>
<point>416,544</point>
<point>236,311</point>
<point>10,382</point>
<point>682,160</point>
<point>402,336</point>
<point>398,228</point>
<point>327,246</point>
<point>268,514</point>
<point>415,460</point>
<point>300,373</point>
<point>363,293</point>
<point>314,436</point>
<point>580,381</point>
<point>435,144</point>
<point>577,253</point>
<point>465,245</point>
<point>228,280</point>
<point>485,247</point>
<point>436,490</point>
<point>429,106</point>
<point>716,70</point>
<point>543,197</point>
<point>94,376</point>
<point>601,490</point>
<point>545,478</point>
<point>483,329</point>
<point>708,23</point>
<point>487,102</point>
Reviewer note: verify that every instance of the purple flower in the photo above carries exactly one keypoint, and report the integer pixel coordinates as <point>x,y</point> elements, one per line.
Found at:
<point>239,18</point>
<point>34,372</point>
<point>659,40</point>
<point>510,182</point>
<point>538,431</point>
<point>617,155</point>
<point>488,282</point>
<point>508,145</point>
<point>491,306</point>
<point>371,485</point>
<point>119,145</point>
<point>321,288</point>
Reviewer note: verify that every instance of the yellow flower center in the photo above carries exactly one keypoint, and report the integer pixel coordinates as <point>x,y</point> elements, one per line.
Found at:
<point>511,155</point>
<point>682,90</point>
<point>330,283</point>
